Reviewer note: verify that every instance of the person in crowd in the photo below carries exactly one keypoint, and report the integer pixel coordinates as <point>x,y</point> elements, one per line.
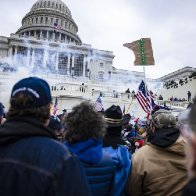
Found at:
<point>82,88</point>
<point>2,113</point>
<point>114,93</point>
<point>63,117</point>
<point>84,138</point>
<point>141,134</point>
<point>159,168</point>
<point>128,132</point>
<point>117,147</point>
<point>189,95</point>
<point>171,98</point>
<point>160,97</point>
<point>56,126</point>
<point>129,136</point>
<point>64,112</point>
<point>189,127</point>
<point>128,93</point>
<point>133,94</point>
<point>125,120</point>
<point>32,161</point>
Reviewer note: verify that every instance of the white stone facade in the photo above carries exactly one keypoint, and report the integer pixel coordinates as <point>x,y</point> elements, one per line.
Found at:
<point>47,41</point>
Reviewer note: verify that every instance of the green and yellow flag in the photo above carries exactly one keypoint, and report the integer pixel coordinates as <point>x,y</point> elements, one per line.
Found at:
<point>142,50</point>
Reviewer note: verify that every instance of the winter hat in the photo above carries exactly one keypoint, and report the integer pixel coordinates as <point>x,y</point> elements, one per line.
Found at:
<point>55,123</point>
<point>113,116</point>
<point>37,88</point>
<point>163,118</point>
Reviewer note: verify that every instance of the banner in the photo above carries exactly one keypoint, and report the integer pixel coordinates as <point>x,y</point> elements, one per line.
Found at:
<point>142,50</point>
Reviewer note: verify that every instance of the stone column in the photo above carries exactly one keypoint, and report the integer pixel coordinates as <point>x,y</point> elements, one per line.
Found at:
<point>73,58</point>
<point>72,68</point>
<point>57,61</point>
<point>28,56</point>
<point>35,35</point>
<point>15,54</point>
<point>33,58</point>
<point>60,37</point>
<point>41,35</point>
<point>68,65</point>
<point>84,66</point>
<point>53,36</point>
<point>10,51</point>
<point>47,35</point>
<point>45,58</point>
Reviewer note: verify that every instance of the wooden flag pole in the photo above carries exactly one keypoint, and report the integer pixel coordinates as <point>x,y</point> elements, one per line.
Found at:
<point>129,107</point>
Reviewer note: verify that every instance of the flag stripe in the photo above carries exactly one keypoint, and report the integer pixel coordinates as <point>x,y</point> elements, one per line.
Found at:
<point>144,98</point>
<point>99,105</point>
<point>142,103</point>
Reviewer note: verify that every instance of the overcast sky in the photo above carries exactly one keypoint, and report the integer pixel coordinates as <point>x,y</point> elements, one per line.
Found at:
<point>108,24</point>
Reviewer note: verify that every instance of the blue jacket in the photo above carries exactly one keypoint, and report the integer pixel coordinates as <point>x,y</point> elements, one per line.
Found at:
<point>98,165</point>
<point>33,163</point>
<point>122,160</point>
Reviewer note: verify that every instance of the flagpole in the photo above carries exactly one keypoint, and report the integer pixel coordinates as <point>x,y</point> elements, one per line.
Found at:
<point>144,70</point>
<point>144,76</point>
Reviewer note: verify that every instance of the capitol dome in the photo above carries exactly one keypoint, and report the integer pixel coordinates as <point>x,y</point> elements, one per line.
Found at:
<point>50,20</point>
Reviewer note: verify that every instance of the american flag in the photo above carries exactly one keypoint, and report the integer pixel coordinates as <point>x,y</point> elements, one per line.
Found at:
<point>144,97</point>
<point>57,26</point>
<point>55,106</point>
<point>99,105</point>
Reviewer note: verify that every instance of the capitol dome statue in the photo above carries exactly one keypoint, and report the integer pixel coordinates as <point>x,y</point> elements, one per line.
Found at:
<point>50,20</point>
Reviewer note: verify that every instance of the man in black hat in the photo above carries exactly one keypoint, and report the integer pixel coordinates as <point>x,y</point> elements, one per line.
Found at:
<point>32,161</point>
<point>113,119</point>
<point>116,147</point>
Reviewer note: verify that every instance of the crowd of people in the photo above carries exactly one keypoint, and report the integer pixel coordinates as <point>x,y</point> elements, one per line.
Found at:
<point>85,152</point>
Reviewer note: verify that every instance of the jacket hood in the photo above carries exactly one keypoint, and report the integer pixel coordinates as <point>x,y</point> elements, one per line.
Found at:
<point>19,128</point>
<point>89,151</point>
<point>169,139</point>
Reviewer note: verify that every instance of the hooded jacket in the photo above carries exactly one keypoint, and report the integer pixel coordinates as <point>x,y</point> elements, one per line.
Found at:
<point>159,168</point>
<point>99,165</point>
<point>115,146</point>
<point>32,163</point>
<point>121,157</point>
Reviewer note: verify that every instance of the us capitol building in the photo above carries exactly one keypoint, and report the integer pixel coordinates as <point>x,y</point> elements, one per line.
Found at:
<point>48,41</point>
<point>47,45</point>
